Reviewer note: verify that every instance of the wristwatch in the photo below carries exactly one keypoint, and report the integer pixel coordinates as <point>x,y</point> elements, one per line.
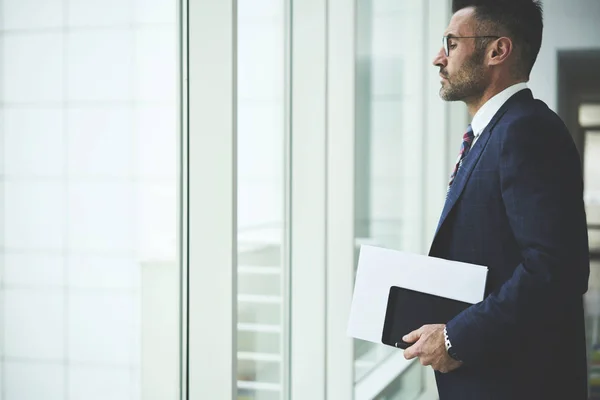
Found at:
<point>451,351</point>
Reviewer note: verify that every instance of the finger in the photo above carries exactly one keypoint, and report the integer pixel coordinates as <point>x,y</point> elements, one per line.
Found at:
<point>413,336</point>
<point>410,353</point>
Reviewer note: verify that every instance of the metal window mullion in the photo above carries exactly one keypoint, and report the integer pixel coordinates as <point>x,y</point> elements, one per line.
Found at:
<point>341,63</point>
<point>212,229</point>
<point>439,144</point>
<point>183,216</point>
<point>308,200</point>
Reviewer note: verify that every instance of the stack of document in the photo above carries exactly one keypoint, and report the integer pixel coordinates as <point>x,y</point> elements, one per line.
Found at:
<point>397,292</point>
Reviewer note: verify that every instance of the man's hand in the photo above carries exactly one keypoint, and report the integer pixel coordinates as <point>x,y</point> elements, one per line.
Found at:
<point>430,348</point>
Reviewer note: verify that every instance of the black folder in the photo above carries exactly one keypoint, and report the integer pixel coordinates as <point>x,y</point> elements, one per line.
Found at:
<point>408,310</point>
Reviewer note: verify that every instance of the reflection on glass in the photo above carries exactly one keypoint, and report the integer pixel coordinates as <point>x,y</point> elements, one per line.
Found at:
<point>591,172</point>
<point>388,107</point>
<point>261,196</point>
<point>89,291</point>
<point>589,115</point>
<point>591,175</point>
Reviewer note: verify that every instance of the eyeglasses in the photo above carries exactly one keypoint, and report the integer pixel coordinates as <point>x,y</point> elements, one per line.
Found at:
<point>447,48</point>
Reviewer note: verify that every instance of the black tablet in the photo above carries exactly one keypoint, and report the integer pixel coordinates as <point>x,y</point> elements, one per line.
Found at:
<point>408,310</point>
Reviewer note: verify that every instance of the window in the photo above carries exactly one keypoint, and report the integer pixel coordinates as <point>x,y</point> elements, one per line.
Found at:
<point>261,197</point>
<point>90,286</point>
<point>389,173</point>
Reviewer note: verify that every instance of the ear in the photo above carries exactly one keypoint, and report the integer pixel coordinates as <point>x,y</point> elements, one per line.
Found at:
<point>500,50</point>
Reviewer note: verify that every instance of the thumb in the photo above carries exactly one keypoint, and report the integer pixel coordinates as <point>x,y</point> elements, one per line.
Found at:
<point>412,337</point>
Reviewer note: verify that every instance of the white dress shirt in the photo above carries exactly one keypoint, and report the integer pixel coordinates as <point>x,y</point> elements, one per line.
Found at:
<point>485,114</point>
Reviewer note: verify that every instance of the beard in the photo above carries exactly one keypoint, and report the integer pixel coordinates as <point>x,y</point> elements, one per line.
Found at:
<point>468,82</point>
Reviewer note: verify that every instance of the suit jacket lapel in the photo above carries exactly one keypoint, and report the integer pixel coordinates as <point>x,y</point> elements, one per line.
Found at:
<point>465,170</point>
<point>463,175</point>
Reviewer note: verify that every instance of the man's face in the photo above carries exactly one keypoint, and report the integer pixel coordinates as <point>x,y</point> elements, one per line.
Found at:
<point>463,72</point>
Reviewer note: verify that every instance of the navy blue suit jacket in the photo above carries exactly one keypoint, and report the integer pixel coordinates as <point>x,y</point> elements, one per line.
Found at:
<point>516,206</point>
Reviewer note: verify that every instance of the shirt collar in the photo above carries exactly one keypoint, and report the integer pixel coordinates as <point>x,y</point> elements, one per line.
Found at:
<point>485,114</point>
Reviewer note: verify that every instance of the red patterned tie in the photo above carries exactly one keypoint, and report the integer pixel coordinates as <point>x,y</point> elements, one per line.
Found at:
<point>464,150</point>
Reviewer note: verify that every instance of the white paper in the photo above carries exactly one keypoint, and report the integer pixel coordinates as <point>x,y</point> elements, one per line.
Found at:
<point>379,269</point>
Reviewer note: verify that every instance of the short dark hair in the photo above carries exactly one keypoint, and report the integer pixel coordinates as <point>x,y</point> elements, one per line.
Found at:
<point>521,20</point>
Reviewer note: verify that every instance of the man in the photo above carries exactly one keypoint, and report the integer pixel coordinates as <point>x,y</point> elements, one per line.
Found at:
<point>515,205</point>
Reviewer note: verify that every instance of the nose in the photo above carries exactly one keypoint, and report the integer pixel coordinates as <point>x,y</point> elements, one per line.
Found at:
<point>440,59</point>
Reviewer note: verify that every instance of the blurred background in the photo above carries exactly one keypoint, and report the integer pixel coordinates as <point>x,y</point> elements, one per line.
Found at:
<point>185,186</point>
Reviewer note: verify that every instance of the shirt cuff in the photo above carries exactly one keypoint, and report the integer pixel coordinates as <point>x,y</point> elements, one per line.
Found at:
<point>451,352</point>
<point>446,340</point>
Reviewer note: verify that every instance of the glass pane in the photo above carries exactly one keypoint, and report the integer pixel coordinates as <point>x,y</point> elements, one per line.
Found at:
<point>89,275</point>
<point>592,297</point>
<point>254,312</point>
<point>591,171</point>
<point>252,394</point>
<point>406,387</point>
<point>266,370</point>
<point>389,179</point>
<point>261,197</point>
<point>255,339</point>
<point>589,115</point>
<point>592,322</point>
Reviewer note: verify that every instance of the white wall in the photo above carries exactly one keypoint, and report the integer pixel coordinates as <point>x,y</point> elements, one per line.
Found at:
<point>568,25</point>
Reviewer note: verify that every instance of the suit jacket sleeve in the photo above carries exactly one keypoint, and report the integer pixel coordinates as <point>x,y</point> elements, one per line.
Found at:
<point>541,187</point>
